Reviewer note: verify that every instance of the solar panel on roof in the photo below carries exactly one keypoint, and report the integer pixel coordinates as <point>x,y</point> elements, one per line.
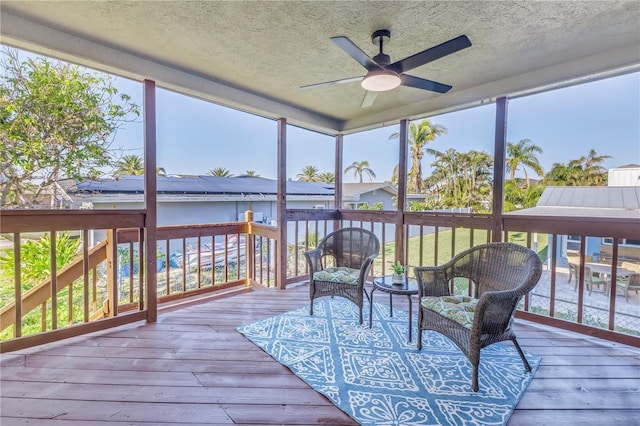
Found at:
<point>204,185</point>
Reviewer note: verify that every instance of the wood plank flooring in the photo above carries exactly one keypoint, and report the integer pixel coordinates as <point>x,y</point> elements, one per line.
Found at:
<point>193,368</point>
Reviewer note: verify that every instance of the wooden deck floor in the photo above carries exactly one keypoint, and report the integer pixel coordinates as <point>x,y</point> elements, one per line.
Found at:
<point>192,367</point>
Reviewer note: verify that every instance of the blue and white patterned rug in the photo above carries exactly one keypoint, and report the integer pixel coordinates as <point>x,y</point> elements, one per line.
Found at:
<point>378,378</point>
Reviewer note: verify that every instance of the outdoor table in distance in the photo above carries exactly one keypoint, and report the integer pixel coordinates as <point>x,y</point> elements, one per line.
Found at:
<point>385,284</point>
<point>605,271</point>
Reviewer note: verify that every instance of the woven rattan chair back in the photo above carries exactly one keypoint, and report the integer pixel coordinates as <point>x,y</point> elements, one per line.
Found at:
<point>353,248</point>
<point>500,274</point>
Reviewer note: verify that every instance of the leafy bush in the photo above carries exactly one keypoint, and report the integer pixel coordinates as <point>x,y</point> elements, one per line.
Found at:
<point>35,262</point>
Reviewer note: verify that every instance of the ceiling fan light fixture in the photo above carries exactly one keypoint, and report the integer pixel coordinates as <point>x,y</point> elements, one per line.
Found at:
<point>380,81</point>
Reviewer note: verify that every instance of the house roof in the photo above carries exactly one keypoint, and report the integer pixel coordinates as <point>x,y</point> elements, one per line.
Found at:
<point>202,185</point>
<point>353,189</point>
<point>587,201</point>
<point>255,55</point>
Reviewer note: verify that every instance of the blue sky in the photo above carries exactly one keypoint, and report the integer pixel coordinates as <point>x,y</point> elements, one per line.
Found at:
<point>196,136</point>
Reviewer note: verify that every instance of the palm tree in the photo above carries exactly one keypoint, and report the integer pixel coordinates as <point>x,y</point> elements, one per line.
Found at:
<point>130,165</point>
<point>360,167</point>
<point>594,173</point>
<point>420,134</point>
<point>308,174</point>
<point>523,154</point>
<point>134,165</point>
<point>252,173</point>
<point>327,177</point>
<point>461,179</point>
<point>220,172</point>
<point>585,171</point>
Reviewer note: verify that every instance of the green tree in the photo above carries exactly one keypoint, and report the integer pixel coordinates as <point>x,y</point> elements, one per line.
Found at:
<point>220,172</point>
<point>420,134</point>
<point>584,171</point>
<point>417,206</point>
<point>130,165</point>
<point>252,173</point>
<point>57,121</point>
<point>308,174</point>
<point>359,168</point>
<point>594,173</point>
<point>523,154</point>
<point>518,196</point>
<point>35,258</point>
<point>134,165</point>
<point>327,177</point>
<point>461,180</point>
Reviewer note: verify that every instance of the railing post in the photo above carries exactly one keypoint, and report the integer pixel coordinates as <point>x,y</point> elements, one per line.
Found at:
<point>337,200</point>
<point>111,305</point>
<point>250,248</point>
<point>54,281</point>
<point>17,325</point>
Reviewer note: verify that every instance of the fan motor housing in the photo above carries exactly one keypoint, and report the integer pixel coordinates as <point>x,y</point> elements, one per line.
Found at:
<point>379,38</point>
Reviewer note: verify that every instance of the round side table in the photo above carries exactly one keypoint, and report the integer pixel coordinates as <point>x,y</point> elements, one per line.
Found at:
<point>385,284</point>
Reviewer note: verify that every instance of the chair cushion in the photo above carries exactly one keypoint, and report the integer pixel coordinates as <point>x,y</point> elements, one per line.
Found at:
<point>457,308</point>
<point>338,275</point>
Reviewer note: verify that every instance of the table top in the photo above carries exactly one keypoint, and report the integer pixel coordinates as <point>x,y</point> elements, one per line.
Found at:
<point>603,268</point>
<point>385,283</point>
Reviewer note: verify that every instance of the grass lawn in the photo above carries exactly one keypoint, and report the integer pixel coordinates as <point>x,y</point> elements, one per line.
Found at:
<point>462,242</point>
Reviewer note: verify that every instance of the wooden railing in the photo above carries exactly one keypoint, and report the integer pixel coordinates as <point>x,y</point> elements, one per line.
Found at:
<point>104,286</point>
<point>433,238</point>
<point>107,281</point>
<point>70,298</point>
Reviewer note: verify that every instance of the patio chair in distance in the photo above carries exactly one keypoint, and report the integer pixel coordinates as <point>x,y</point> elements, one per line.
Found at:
<point>591,279</point>
<point>340,264</point>
<point>500,274</point>
<point>632,282</point>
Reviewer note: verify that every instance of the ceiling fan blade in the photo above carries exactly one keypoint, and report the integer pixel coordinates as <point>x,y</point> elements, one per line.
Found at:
<point>368,99</point>
<point>356,53</point>
<point>331,83</point>
<point>421,83</point>
<point>429,55</point>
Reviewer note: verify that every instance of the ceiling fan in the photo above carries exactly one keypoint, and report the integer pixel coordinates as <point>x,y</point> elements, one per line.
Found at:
<point>382,75</point>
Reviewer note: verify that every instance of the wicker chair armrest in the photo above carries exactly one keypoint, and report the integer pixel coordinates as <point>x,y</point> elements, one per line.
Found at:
<point>314,260</point>
<point>365,267</point>
<point>432,280</point>
<point>489,299</point>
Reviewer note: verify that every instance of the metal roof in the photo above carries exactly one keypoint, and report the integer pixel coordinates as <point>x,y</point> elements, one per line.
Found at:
<point>610,197</point>
<point>255,55</point>
<point>587,201</point>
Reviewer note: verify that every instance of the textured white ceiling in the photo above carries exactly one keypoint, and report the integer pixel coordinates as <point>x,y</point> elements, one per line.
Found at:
<point>255,55</point>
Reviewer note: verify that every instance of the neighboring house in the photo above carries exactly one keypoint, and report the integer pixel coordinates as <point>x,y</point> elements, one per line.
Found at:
<point>590,201</point>
<point>356,195</point>
<point>183,200</point>
<point>628,175</point>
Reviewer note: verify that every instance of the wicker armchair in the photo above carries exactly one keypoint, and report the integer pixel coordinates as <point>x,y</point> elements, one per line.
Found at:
<point>500,274</point>
<point>340,264</point>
